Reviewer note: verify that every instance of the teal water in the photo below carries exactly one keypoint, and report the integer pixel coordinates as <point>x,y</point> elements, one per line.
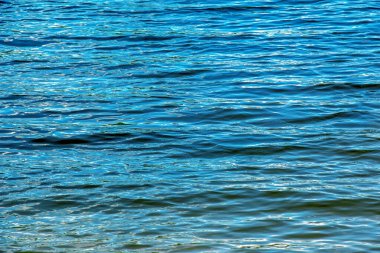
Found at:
<point>189,126</point>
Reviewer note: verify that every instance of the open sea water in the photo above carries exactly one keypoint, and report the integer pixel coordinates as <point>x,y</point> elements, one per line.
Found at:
<point>189,126</point>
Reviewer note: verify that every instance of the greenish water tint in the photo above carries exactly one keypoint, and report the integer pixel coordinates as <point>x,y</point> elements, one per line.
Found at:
<point>189,126</point>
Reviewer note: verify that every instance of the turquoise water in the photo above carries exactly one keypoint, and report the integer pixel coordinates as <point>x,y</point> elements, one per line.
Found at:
<point>189,126</point>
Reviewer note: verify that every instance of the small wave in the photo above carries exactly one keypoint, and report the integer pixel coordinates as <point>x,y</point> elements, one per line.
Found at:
<point>112,38</point>
<point>350,207</point>
<point>13,97</point>
<point>344,86</point>
<point>223,151</point>
<point>18,62</point>
<point>78,187</point>
<point>142,202</point>
<point>234,8</point>
<point>24,43</point>
<point>315,119</point>
<point>57,141</point>
<point>174,74</point>
<point>105,138</point>
<point>67,37</point>
<point>124,66</point>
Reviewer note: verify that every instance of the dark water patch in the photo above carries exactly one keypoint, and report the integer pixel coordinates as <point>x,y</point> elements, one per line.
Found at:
<point>60,141</point>
<point>231,9</point>
<point>48,205</point>
<point>31,251</point>
<point>13,97</point>
<point>111,38</point>
<point>106,138</point>
<point>349,207</point>
<point>297,90</point>
<point>223,151</point>
<point>73,187</point>
<point>64,37</point>
<point>307,236</point>
<point>361,154</point>
<point>134,246</point>
<point>142,203</point>
<point>125,187</point>
<point>358,152</point>
<point>332,116</point>
<point>176,74</point>
<point>125,66</point>
<point>24,43</point>
<point>152,38</point>
<point>17,62</point>
<point>345,86</point>
<point>82,111</point>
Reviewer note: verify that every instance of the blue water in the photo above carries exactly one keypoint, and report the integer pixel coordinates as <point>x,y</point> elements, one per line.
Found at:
<point>189,126</point>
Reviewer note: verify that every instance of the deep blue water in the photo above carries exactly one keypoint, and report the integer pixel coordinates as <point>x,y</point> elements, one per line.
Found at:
<point>189,126</point>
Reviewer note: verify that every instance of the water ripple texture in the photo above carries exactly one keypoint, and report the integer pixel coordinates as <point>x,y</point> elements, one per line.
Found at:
<point>189,126</point>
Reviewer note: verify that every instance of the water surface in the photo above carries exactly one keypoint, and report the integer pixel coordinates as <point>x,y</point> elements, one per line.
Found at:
<point>189,126</point>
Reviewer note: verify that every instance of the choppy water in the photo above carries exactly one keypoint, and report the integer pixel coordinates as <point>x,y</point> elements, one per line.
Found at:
<point>189,126</point>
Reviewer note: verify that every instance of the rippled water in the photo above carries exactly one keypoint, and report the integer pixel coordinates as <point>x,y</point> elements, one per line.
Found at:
<point>189,126</point>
